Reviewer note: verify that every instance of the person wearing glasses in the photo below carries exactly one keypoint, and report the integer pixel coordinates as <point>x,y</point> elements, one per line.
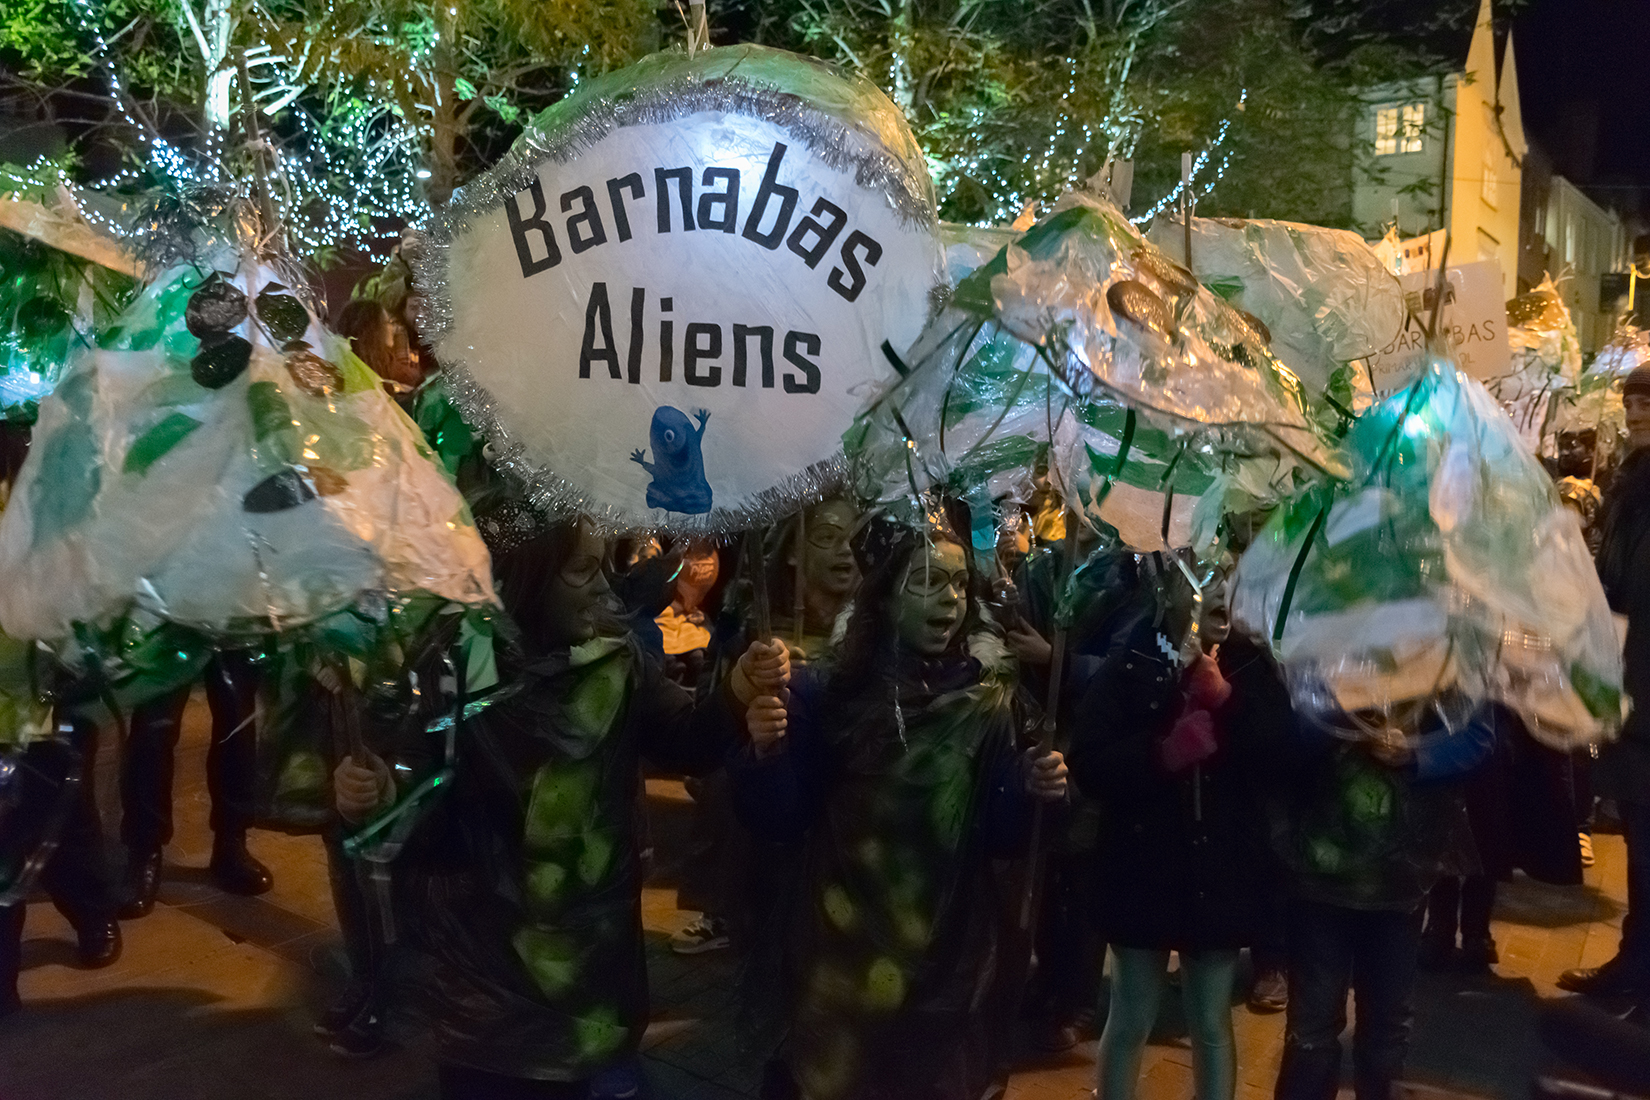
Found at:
<point>519,896</point>
<point>900,770</point>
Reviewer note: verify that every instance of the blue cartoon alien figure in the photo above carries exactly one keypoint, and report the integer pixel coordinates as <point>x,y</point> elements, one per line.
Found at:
<point>678,466</point>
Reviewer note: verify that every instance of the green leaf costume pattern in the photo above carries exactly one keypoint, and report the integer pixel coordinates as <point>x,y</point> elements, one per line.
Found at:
<point>899,989</point>
<point>523,889</point>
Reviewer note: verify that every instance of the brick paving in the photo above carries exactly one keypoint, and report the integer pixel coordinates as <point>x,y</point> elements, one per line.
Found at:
<point>214,996</point>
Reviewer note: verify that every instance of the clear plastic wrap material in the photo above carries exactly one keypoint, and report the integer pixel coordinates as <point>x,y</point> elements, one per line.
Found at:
<point>1143,424</point>
<point>223,464</point>
<point>1546,361</point>
<point>1114,315</point>
<point>1323,294</point>
<point>1628,348</point>
<point>1447,567</point>
<point>970,247</point>
<point>49,303</point>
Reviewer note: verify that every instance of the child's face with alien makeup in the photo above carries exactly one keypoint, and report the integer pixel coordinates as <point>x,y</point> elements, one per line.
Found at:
<point>931,598</point>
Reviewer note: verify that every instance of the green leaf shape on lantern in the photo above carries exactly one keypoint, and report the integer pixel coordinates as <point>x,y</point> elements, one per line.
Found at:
<point>562,800</point>
<point>155,443</point>
<point>1601,698</point>
<point>884,989</point>
<point>218,364</point>
<point>599,1033</point>
<point>157,312</point>
<point>282,314</point>
<point>553,959</point>
<point>71,465</point>
<point>40,318</point>
<point>274,432</point>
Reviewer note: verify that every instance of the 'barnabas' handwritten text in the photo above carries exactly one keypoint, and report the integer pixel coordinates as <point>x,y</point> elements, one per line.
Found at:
<point>716,207</point>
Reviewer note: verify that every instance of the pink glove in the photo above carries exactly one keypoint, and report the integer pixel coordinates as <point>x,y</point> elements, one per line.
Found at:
<point>1190,741</point>
<point>1206,688</point>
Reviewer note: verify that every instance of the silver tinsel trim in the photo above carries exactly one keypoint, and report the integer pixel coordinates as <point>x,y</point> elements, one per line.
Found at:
<point>555,494</point>
<point>837,143</point>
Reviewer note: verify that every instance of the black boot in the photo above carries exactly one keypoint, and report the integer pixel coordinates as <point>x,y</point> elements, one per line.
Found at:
<point>141,884</point>
<point>234,869</point>
<point>11,956</point>
<point>99,942</point>
<point>1478,954</point>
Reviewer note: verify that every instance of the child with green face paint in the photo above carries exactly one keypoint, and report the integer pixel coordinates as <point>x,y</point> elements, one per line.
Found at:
<point>520,897</point>
<point>902,770</point>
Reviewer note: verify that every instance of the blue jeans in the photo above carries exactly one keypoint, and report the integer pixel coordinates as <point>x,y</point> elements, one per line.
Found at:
<point>1331,950</point>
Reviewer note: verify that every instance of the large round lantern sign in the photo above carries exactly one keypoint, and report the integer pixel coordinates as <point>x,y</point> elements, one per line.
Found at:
<point>671,299</point>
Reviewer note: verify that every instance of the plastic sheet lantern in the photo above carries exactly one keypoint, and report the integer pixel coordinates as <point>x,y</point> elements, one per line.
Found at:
<point>1446,568</point>
<point>224,464</point>
<point>1323,295</point>
<point>1083,344</point>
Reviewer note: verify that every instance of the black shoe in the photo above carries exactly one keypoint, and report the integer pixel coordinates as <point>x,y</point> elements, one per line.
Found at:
<point>99,943</point>
<point>1436,953</point>
<point>1478,955</point>
<point>1610,980</point>
<point>234,869</point>
<point>343,1012</point>
<point>141,885</point>
<point>1053,1036</point>
<point>363,1038</point>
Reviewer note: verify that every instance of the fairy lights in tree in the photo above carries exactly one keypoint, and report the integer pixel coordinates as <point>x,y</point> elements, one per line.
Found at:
<point>344,167</point>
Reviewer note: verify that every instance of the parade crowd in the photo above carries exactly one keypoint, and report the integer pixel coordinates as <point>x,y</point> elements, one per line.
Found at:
<point>912,860</point>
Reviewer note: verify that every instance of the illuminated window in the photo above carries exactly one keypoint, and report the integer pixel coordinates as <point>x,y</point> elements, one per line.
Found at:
<point>1398,128</point>
<point>1415,120</point>
<point>1386,131</point>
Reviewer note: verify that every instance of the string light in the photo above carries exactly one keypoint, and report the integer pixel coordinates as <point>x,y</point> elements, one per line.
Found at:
<point>1197,167</point>
<point>333,180</point>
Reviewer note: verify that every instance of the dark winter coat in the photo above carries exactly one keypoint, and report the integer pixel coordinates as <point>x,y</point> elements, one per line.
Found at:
<point>1624,567</point>
<point>1181,859</point>
<point>520,894</point>
<point>903,800</point>
<point>1359,834</point>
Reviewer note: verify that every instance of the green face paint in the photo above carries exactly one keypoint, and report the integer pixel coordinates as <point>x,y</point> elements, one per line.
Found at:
<point>932,597</point>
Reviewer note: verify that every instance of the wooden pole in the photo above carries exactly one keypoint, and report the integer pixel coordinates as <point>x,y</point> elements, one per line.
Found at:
<point>1048,731</point>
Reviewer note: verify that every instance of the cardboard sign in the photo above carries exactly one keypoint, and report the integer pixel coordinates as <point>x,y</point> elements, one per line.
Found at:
<point>683,319</point>
<point>1473,318</point>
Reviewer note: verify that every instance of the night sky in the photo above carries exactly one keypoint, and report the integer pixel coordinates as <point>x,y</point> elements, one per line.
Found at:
<point>1584,84</point>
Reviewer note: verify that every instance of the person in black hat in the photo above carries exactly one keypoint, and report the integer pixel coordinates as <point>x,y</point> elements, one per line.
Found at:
<point>1624,767</point>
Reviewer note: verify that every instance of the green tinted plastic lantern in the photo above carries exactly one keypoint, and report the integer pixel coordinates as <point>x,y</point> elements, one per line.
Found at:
<point>1083,345</point>
<point>224,465</point>
<point>1446,566</point>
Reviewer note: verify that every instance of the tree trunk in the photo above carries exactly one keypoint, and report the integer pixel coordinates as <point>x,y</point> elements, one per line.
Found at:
<point>446,128</point>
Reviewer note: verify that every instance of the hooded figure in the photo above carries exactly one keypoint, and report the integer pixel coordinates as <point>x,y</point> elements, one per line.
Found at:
<point>678,466</point>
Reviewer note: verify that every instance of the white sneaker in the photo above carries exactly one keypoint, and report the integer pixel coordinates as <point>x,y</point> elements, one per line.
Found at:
<point>704,934</point>
<point>1587,850</point>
